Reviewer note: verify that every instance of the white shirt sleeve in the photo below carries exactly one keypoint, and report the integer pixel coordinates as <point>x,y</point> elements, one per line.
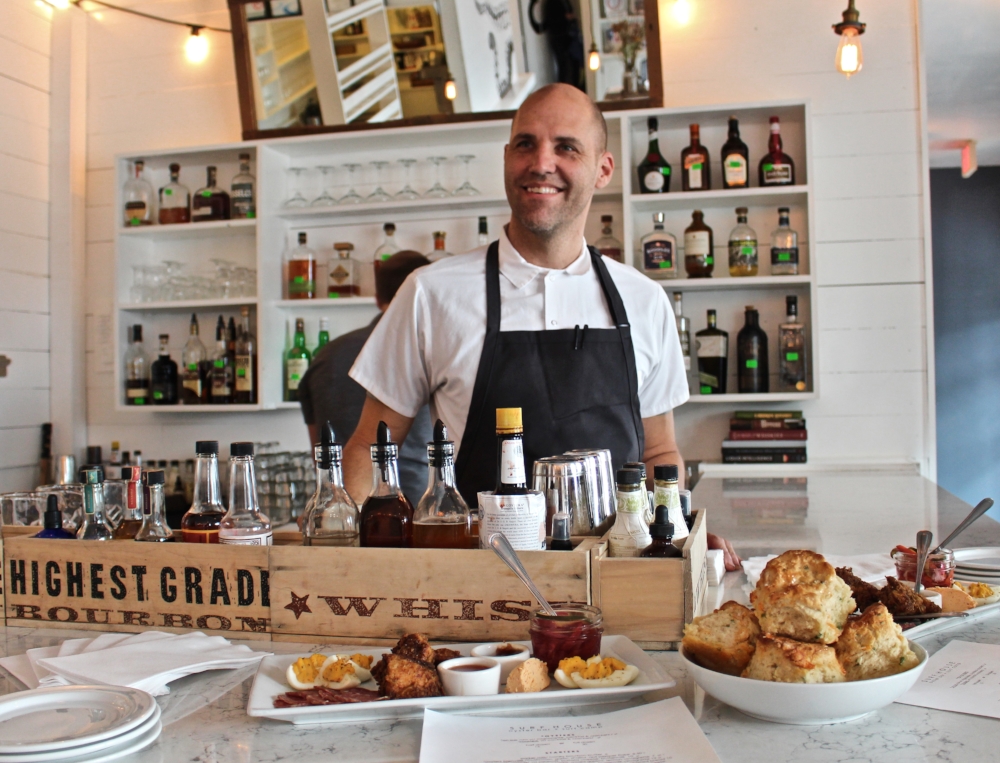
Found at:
<point>392,365</point>
<point>666,385</point>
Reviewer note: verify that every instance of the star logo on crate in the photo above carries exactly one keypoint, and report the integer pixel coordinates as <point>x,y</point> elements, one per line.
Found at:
<point>299,605</point>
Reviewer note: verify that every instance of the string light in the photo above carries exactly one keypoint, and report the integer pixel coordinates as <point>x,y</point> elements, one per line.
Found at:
<point>681,11</point>
<point>196,47</point>
<point>450,89</point>
<point>850,57</point>
<point>594,59</point>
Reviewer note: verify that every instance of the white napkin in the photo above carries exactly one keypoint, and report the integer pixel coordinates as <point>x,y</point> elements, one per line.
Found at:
<point>869,567</point>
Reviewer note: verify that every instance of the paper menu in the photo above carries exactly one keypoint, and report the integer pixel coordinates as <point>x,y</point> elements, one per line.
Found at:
<point>660,732</point>
<point>963,677</point>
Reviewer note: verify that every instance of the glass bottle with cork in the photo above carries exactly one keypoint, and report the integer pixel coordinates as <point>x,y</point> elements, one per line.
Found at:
<point>341,281</point>
<point>442,518</point>
<point>210,202</point>
<point>139,198</point>
<point>712,346</point>
<point>175,199</point>
<point>244,202</point>
<point>439,252</point>
<point>699,260</point>
<point>742,247</point>
<point>696,171</point>
<point>659,251</point>
<point>297,361</point>
<point>630,534</point>
<point>735,159</point>
<point>194,359</point>
<point>132,513</point>
<point>386,515</point>
<point>607,244</point>
<point>331,517</point>
<point>154,527</point>
<point>792,349</point>
<point>163,375</point>
<point>751,355</point>
<point>654,170</point>
<point>784,247</point>
<point>95,524</point>
<point>661,531</point>
<point>300,269</point>
<point>200,523</point>
<point>244,524</point>
<point>245,368</point>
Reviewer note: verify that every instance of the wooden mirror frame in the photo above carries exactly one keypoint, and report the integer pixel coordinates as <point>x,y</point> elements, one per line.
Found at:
<point>248,119</point>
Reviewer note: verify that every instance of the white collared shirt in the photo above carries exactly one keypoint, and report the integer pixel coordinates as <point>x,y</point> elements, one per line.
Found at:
<point>428,344</point>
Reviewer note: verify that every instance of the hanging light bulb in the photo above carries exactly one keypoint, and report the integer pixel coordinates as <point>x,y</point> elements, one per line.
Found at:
<point>450,89</point>
<point>681,11</point>
<point>594,58</point>
<point>60,4</point>
<point>196,47</point>
<point>850,57</point>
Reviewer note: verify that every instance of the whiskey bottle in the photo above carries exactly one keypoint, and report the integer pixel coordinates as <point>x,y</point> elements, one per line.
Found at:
<point>210,202</point>
<point>698,246</point>
<point>438,252</point>
<point>387,248</point>
<point>297,362</point>
<point>442,518</point>
<point>138,197</point>
<point>194,359</point>
<point>696,172</point>
<point>386,515</point>
<point>300,265</point>
<point>784,247</point>
<point>243,197</point>
<point>323,336</point>
<point>175,199</point>
<point>221,376</point>
<point>331,517</point>
<point>163,374</point>
<point>712,346</point>
<point>792,349</point>
<point>607,244</point>
<point>484,232</point>
<point>231,341</point>
<point>244,524</point>
<point>136,369</point>
<point>245,367</point>
<point>200,523</point>
<point>751,355</point>
<point>654,170</point>
<point>341,272</point>
<point>735,159</point>
<point>683,331</point>
<point>659,251</point>
<point>742,247</point>
<point>511,479</point>
<point>776,167</point>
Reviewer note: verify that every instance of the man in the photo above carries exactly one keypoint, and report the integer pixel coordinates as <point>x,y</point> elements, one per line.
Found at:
<point>588,347</point>
<point>327,393</point>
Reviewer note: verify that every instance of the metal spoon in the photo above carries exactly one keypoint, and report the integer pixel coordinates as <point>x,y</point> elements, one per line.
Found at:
<point>924,540</point>
<point>981,508</point>
<point>500,544</point>
<point>929,616</point>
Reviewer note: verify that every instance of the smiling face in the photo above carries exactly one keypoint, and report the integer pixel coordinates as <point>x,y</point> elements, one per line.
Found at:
<point>555,161</point>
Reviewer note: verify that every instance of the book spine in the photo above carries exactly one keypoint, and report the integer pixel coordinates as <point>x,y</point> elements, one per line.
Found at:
<point>754,424</point>
<point>768,434</point>
<point>768,414</point>
<point>779,450</point>
<point>763,458</point>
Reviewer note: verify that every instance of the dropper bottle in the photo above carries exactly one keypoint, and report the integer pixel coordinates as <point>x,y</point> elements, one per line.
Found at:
<point>95,525</point>
<point>53,521</point>
<point>154,524</point>
<point>386,515</point>
<point>442,518</point>
<point>331,516</point>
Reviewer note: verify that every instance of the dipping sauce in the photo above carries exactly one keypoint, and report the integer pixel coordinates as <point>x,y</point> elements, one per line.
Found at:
<point>939,570</point>
<point>508,650</point>
<point>468,668</point>
<point>574,632</point>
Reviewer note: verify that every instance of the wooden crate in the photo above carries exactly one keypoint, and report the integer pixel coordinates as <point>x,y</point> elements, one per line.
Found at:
<point>650,600</point>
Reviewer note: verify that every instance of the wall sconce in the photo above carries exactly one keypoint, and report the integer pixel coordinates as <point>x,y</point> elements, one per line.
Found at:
<point>594,58</point>
<point>850,57</point>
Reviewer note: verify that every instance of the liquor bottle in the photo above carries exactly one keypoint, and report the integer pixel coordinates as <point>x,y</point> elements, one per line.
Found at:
<point>683,331</point>
<point>139,198</point>
<point>221,376</point>
<point>792,349</point>
<point>95,525</point>
<point>331,516</point>
<point>231,334</point>
<point>699,260</point>
<point>661,531</point>
<point>210,202</point>
<point>136,369</point>
<point>154,528</point>
<point>438,252</point>
<point>742,247</point>
<point>341,273</point>
<point>175,200</point>
<point>483,238</point>
<point>386,515</point>
<point>654,170</point>
<point>696,171</point>
<point>607,244</point>
<point>387,248</point>
<point>194,357</point>
<point>442,518</point>
<point>323,337</point>
<point>776,167</point>
<point>659,251</point>
<point>242,188</point>
<point>188,476</point>
<point>116,454</point>
<point>630,534</point>
<point>784,247</point>
<point>511,479</point>
<point>300,265</point>
<point>297,361</point>
<point>132,510</point>
<point>163,375</point>
<point>712,346</point>
<point>666,492</point>
<point>53,529</point>
<point>751,355</point>
<point>200,523</point>
<point>735,159</point>
<point>244,524</point>
<point>245,368</point>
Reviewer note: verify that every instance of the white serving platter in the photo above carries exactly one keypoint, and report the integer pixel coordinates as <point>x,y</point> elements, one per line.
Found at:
<point>939,624</point>
<point>985,558</point>
<point>270,682</point>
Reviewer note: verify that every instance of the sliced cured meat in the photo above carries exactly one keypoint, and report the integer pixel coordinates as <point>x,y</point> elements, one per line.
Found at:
<point>325,696</point>
<point>359,695</point>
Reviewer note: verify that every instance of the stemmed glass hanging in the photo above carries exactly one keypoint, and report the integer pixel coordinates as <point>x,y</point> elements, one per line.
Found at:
<point>325,199</point>
<point>466,189</point>
<point>352,196</point>
<point>296,200</point>
<point>407,193</point>
<point>379,194</point>
<point>437,191</point>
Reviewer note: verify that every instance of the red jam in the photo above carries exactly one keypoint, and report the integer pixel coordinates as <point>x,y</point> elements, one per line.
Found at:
<point>939,570</point>
<point>575,632</point>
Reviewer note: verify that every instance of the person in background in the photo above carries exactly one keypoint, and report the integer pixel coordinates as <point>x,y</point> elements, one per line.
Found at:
<point>327,393</point>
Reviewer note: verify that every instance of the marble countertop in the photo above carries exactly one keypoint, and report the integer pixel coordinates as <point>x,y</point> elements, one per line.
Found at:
<point>205,718</point>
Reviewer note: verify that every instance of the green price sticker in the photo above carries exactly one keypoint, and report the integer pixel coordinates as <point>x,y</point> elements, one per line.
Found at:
<point>192,366</point>
<point>736,165</point>
<point>748,251</point>
<point>220,363</point>
<point>791,356</point>
<point>784,256</point>
<point>294,377</point>
<point>768,167</point>
<point>135,221</point>
<point>666,264</point>
<point>665,170</point>
<point>334,295</point>
<point>157,395</point>
<point>140,401</point>
<point>697,166</point>
<point>241,372</point>
<point>751,364</point>
<point>706,390</point>
<point>251,215</point>
<point>206,194</point>
<point>385,257</point>
<point>709,260</point>
<point>168,192</point>
<point>299,279</point>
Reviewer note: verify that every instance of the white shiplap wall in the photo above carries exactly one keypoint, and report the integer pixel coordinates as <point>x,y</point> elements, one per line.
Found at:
<point>24,237</point>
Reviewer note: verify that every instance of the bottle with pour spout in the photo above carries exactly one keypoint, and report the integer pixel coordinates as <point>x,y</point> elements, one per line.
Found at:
<point>442,518</point>
<point>331,516</point>
<point>244,524</point>
<point>386,515</point>
<point>95,525</point>
<point>630,534</point>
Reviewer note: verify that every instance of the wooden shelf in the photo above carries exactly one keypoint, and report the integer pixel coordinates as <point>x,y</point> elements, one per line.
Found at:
<point>194,410</point>
<point>187,304</point>
<point>211,229</point>
<point>720,198</point>
<point>327,303</point>
<point>757,397</point>
<point>728,282</point>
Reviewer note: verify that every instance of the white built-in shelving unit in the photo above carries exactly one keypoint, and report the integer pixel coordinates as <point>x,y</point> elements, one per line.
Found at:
<point>261,242</point>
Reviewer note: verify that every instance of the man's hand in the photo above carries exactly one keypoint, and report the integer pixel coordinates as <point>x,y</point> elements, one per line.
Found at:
<point>728,554</point>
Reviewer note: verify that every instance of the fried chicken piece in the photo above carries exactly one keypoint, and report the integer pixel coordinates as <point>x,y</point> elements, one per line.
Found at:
<point>401,677</point>
<point>902,600</point>
<point>865,594</point>
<point>440,655</point>
<point>415,646</point>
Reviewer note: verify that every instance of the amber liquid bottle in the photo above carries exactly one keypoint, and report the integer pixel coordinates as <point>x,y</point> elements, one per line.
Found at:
<point>132,516</point>
<point>696,173</point>
<point>442,518</point>
<point>776,167</point>
<point>511,474</point>
<point>200,524</point>
<point>698,247</point>
<point>386,515</point>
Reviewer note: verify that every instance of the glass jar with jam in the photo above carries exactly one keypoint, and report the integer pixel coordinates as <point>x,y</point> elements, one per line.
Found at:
<point>939,570</point>
<point>575,631</point>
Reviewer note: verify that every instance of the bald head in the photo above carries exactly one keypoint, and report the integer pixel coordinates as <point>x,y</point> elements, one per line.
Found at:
<point>568,98</point>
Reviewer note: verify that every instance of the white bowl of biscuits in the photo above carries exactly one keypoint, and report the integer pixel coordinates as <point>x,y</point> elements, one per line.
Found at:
<point>799,656</point>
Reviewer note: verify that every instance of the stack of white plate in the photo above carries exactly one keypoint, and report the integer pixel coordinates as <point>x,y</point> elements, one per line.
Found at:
<point>76,724</point>
<point>980,565</point>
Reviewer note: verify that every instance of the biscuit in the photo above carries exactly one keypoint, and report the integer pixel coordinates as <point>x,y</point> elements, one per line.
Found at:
<point>787,661</point>
<point>724,640</point>
<point>873,646</point>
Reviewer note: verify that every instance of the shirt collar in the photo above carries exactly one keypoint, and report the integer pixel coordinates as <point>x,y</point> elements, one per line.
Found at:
<point>520,272</point>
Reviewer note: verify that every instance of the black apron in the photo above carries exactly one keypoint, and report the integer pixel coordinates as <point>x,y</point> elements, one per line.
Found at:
<point>576,388</point>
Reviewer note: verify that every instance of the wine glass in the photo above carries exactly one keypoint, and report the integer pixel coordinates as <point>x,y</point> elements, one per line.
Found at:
<point>407,193</point>
<point>437,191</point>
<point>325,199</point>
<point>466,189</point>
<point>379,195</point>
<point>352,196</point>
<point>139,291</point>
<point>296,200</point>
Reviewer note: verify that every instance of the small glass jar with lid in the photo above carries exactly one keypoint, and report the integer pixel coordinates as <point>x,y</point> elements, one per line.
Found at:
<point>341,270</point>
<point>574,631</point>
<point>938,571</point>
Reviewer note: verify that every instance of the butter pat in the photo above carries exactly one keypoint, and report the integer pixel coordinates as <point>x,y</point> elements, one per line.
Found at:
<point>716,566</point>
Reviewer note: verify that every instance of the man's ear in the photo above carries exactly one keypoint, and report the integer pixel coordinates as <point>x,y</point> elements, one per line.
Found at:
<point>605,169</point>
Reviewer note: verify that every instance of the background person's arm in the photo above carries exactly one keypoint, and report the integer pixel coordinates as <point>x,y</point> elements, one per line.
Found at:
<point>357,452</point>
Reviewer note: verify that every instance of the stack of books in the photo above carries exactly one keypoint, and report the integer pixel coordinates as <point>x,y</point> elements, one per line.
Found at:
<point>765,437</point>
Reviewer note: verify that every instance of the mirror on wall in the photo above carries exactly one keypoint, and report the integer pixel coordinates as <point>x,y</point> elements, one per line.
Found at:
<point>317,65</point>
